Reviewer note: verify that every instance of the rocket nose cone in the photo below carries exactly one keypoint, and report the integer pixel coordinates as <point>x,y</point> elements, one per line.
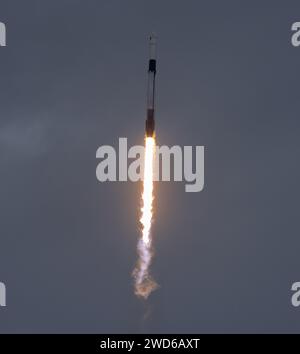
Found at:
<point>152,45</point>
<point>152,38</point>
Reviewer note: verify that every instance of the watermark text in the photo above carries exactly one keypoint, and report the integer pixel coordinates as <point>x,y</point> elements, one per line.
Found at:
<point>170,163</point>
<point>2,294</point>
<point>2,34</point>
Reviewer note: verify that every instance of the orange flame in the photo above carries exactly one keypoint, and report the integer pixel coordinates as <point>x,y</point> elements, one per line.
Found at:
<point>144,284</point>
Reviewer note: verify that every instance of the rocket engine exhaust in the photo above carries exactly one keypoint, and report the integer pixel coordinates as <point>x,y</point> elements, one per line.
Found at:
<point>144,284</point>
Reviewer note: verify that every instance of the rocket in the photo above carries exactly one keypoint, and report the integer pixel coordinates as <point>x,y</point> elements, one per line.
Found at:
<point>151,87</point>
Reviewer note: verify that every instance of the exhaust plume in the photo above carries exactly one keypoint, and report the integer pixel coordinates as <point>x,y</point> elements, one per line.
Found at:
<point>144,284</point>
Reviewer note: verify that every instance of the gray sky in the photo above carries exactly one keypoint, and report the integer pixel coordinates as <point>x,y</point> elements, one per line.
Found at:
<point>72,78</point>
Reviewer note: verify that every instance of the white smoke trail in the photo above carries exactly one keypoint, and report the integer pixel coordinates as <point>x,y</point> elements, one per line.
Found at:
<point>144,284</point>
